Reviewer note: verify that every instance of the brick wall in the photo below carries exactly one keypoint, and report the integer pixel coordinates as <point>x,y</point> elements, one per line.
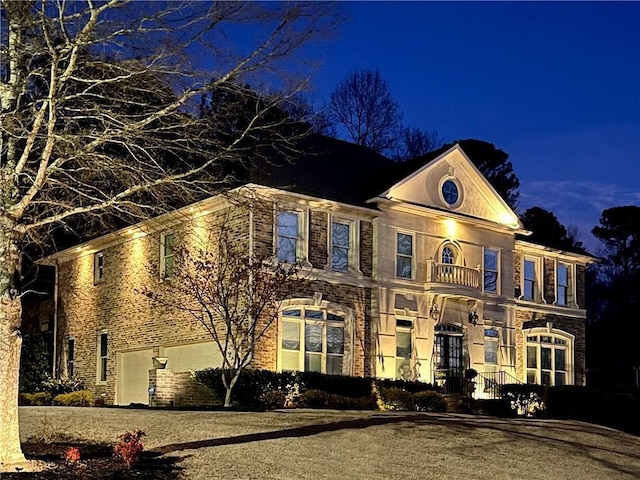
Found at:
<point>517,272</point>
<point>580,286</point>
<point>178,390</point>
<point>549,279</point>
<point>318,237</point>
<point>366,248</point>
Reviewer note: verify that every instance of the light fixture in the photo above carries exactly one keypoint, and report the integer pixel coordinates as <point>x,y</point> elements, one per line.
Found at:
<point>473,315</point>
<point>434,312</point>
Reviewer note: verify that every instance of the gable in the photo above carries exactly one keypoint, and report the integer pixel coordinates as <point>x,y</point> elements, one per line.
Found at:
<point>451,182</point>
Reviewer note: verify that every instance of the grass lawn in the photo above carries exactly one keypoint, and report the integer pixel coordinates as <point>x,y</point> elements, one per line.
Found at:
<point>315,444</point>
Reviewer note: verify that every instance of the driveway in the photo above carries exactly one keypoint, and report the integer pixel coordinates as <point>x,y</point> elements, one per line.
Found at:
<point>315,444</point>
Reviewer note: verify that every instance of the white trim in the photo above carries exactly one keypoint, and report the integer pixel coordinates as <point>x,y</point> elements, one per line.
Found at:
<point>450,178</point>
<point>98,267</point>
<point>163,255</point>
<point>549,331</point>
<point>353,261</point>
<point>414,261</point>
<point>302,241</point>
<point>99,357</point>
<point>498,271</point>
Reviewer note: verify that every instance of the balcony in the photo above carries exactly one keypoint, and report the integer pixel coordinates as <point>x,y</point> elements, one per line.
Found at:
<point>453,274</point>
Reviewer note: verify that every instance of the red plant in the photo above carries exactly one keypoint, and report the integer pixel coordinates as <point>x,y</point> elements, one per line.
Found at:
<point>72,454</point>
<point>130,447</point>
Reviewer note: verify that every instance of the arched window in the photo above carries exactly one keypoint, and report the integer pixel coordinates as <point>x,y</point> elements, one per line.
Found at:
<point>448,255</point>
<point>312,339</point>
<point>549,357</point>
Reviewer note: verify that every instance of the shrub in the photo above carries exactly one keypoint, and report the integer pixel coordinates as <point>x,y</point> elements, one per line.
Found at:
<point>524,399</point>
<point>343,385</point>
<point>273,399</point>
<point>129,447</point>
<point>72,455</point>
<point>37,399</point>
<point>429,401</point>
<point>406,385</point>
<point>314,399</point>
<point>394,398</point>
<point>34,363</point>
<point>57,386</point>
<point>81,398</point>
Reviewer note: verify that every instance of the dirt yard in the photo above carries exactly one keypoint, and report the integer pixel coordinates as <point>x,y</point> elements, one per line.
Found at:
<point>314,444</point>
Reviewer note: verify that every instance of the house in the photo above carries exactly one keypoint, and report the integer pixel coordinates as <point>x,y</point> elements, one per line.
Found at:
<point>418,274</point>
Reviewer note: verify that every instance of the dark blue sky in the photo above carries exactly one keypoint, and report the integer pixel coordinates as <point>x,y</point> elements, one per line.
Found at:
<point>556,85</point>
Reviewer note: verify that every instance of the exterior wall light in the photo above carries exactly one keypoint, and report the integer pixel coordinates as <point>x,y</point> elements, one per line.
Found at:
<point>434,312</point>
<point>473,315</point>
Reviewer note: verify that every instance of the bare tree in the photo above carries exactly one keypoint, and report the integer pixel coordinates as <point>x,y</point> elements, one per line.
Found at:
<point>234,294</point>
<point>362,103</point>
<point>415,142</point>
<point>97,119</point>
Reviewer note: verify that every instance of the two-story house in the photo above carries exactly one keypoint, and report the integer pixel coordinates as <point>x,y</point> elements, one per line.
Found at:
<point>414,274</point>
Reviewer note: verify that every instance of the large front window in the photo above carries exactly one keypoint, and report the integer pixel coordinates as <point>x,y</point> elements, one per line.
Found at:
<point>312,340</point>
<point>548,359</point>
<point>404,349</point>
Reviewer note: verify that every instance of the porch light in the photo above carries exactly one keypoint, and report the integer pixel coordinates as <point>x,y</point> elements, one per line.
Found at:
<point>434,312</point>
<point>473,315</point>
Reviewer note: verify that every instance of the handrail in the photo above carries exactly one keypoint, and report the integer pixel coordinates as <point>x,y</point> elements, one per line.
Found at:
<point>489,383</point>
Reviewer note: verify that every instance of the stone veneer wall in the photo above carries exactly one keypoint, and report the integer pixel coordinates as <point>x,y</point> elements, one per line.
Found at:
<point>574,326</point>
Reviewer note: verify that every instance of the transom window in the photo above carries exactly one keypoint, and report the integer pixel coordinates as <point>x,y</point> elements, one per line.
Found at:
<point>340,244</point>
<point>548,359</point>
<point>288,236</point>
<point>404,255</point>
<point>490,270</point>
<point>529,280</point>
<point>312,340</point>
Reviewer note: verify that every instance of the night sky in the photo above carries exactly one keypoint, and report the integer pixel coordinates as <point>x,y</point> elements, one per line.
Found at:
<point>556,85</point>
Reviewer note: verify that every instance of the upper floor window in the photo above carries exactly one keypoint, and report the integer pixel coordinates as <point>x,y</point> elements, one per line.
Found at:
<point>312,340</point>
<point>167,254</point>
<point>340,246</point>
<point>98,267</point>
<point>562,285</point>
<point>529,280</point>
<point>288,236</point>
<point>448,255</point>
<point>404,255</point>
<point>491,270</point>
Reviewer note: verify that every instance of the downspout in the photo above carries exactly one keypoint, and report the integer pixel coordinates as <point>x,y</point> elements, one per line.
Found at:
<point>55,319</point>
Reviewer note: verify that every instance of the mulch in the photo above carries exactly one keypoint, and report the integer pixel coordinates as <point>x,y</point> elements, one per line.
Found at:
<point>97,461</point>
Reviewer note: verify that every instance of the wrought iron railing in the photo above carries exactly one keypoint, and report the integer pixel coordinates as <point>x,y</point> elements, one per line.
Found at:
<point>453,274</point>
<point>450,381</point>
<point>488,383</point>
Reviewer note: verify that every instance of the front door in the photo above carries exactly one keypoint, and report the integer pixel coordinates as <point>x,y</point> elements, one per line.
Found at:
<point>448,359</point>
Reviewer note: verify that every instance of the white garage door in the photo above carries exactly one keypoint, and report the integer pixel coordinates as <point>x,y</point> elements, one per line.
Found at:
<point>133,376</point>
<point>195,356</point>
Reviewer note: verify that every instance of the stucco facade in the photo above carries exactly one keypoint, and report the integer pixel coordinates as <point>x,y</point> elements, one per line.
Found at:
<point>421,281</point>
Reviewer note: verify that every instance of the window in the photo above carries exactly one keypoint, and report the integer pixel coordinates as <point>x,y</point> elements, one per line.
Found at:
<point>404,255</point>
<point>312,340</point>
<point>167,254</point>
<point>548,358</point>
<point>98,267</point>
<point>450,192</point>
<point>404,349</point>
<point>491,271</point>
<point>562,284</point>
<point>288,236</point>
<point>102,357</point>
<point>71,343</point>
<point>340,244</point>
<point>529,280</point>
<point>491,341</point>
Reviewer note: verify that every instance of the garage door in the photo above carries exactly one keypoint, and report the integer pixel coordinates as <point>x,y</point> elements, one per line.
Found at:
<point>194,356</point>
<point>133,376</point>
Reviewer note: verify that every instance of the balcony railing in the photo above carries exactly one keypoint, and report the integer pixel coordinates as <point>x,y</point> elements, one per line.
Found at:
<point>488,384</point>
<point>453,274</point>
